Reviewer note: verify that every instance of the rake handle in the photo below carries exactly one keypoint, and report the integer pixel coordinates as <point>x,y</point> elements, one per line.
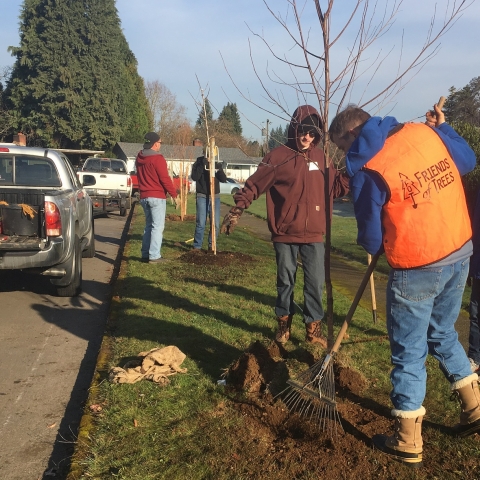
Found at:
<point>372,292</point>
<point>356,300</point>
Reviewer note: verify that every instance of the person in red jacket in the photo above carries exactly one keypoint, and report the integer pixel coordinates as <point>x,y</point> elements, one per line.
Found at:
<point>292,176</point>
<point>154,183</point>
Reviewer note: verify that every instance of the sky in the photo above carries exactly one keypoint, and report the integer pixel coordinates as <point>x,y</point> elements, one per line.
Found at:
<point>214,46</point>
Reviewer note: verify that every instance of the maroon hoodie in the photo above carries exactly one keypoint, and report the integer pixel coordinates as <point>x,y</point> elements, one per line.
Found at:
<point>152,173</point>
<point>293,180</point>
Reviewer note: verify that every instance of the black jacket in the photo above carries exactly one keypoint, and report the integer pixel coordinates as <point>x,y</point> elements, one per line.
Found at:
<point>202,176</point>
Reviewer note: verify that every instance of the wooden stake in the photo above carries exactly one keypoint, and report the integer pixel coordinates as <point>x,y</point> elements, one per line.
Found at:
<point>212,194</point>
<point>372,291</point>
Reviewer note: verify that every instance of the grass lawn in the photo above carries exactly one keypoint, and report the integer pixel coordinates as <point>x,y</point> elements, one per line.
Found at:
<point>194,428</point>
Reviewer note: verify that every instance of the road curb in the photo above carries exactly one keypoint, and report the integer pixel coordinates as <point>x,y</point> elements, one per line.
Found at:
<point>87,422</point>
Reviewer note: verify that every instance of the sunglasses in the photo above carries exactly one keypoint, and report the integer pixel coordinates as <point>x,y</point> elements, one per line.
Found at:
<point>311,133</point>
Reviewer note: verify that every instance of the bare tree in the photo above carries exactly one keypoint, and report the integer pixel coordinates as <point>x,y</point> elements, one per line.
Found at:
<point>324,61</point>
<point>168,115</point>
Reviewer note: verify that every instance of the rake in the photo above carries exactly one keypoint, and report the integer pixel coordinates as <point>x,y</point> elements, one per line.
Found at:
<point>312,393</point>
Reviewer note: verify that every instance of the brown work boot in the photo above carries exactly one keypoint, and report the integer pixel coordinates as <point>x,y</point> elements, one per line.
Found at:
<point>406,443</point>
<point>314,333</point>
<point>468,395</point>
<point>284,326</point>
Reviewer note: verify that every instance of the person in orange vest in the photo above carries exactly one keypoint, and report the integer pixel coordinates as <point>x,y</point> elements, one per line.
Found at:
<point>409,202</point>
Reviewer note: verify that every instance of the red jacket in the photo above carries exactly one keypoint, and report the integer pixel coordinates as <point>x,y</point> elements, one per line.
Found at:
<point>152,173</point>
<point>293,181</point>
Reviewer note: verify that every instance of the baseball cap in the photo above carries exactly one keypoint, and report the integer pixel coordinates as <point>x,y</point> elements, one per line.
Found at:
<point>151,138</point>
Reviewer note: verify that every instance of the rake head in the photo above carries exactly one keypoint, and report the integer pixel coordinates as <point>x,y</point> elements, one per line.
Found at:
<point>312,395</point>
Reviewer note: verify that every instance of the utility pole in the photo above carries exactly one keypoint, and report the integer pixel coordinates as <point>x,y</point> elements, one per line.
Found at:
<point>265,134</point>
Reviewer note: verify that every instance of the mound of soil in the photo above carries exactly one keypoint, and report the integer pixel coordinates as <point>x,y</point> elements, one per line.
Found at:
<point>293,446</point>
<point>206,257</point>
<point>178,218</point>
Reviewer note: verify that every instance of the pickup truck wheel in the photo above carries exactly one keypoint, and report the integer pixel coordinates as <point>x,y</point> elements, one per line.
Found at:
<point>123,211</point>
<point>90,251</point>
<point>75,286</point>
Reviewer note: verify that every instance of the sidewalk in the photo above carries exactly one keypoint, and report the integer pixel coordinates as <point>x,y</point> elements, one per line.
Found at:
<point>346,276</point>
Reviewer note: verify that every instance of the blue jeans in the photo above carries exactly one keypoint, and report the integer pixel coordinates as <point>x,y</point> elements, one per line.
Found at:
<point>422,307</point>
<point>155,209</point>
<point>203,211</point>
<point>474,336</point>
<point>312,255</point>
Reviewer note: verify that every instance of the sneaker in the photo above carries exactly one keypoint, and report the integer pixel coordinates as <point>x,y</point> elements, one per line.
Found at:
<point>474,366</point>
<point>159,260</point>
<point>144,260</point>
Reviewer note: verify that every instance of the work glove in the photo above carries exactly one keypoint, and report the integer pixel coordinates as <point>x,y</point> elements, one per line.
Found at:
<point>230,220</point>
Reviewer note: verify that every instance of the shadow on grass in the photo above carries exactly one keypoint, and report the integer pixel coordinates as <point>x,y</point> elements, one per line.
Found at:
<point>236,290</point>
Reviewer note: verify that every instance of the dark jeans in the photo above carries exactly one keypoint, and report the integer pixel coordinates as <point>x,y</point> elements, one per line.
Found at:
<point>474,337</point>
<point>312,256</point>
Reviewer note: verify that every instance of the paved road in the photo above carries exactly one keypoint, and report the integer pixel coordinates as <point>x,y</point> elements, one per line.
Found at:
<point>49,347</point>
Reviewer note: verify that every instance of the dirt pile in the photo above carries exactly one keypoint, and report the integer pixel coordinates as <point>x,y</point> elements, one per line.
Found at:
<point>221,258</point>
<point>177,218</point>
<point>290,446</point>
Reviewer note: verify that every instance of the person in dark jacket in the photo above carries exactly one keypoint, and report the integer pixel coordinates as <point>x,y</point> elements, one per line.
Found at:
<point>154,183</point>
<point>201,175</point>
<point>292,176</point>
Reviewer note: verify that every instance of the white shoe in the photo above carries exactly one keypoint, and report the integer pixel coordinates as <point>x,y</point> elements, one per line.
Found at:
<point>474,366</point>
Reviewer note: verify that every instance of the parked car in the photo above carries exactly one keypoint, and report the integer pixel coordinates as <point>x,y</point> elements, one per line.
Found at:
<point>231,186</point>
<point>193,185</point>
<point>111,188</point>
<point>132,170</point>
<point>176,182</point>
<point>46,216</point>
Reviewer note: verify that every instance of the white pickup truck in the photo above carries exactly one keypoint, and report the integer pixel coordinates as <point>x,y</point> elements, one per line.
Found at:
<point>110,184</point>
<point>46,217</point>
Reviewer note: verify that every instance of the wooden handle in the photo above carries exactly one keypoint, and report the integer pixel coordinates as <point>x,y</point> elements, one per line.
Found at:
<point>372,292</point>
<point>440,103</point>
<point>356,300</point>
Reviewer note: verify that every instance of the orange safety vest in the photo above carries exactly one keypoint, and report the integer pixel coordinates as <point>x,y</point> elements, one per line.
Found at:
<point>425,219</point>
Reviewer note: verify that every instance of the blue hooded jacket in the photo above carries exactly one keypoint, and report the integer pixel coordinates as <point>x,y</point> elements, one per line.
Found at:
<point>369,191</point>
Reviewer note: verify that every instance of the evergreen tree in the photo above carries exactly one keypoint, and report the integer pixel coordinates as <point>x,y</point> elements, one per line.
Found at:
<point>201,115</point>
<point>230,118</point>
<point>136,118</point>
<point>277,137</point>
<point>464,105</point>
<point>73,78</point>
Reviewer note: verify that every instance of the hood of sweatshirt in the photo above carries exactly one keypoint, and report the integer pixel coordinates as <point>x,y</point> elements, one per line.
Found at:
<point>301,113</point>
<point>144,154</point>
<point>370,141</point>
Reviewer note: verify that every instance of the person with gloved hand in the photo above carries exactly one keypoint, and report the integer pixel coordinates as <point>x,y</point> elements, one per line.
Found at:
<point>292,177</point>
<point>409,201</point>
<point>201,175</point>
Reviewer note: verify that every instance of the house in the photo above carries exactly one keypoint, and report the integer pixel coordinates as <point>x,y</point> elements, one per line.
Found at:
<point>238,165</point>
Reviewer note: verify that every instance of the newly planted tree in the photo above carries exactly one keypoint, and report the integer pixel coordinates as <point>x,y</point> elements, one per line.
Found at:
<point>333,50</point>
